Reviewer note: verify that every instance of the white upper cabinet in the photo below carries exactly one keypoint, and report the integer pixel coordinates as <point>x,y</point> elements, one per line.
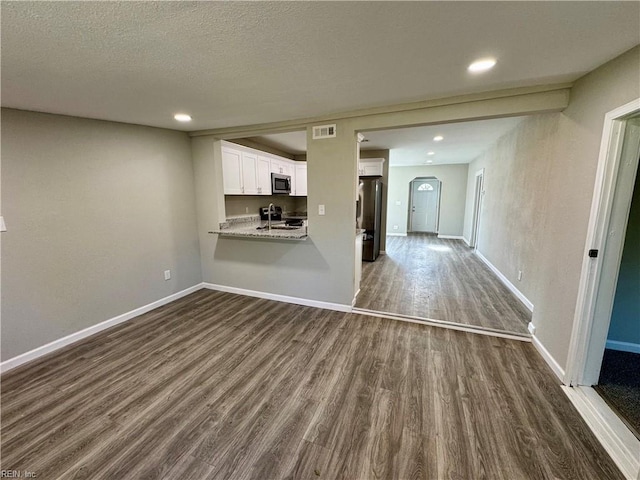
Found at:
<point>239,172</point>
<point>370,167</point>
<point>247,171</point>
<point>264,175</point>
<point>300,179</point>
<point>232,171</point>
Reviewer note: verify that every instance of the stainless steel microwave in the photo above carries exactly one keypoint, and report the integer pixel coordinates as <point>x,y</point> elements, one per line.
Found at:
<point>280,184</point>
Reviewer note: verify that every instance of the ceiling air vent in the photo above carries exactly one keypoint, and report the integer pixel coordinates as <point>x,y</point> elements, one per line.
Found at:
<point>324,131</point>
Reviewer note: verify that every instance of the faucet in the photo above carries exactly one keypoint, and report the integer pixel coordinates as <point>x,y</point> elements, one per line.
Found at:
<point>269,215</point>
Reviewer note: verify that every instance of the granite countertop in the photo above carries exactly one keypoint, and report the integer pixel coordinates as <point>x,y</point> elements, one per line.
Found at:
<point>248,227</point>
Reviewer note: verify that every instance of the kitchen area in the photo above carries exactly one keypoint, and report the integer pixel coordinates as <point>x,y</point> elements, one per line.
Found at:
<point>265,193</point>
<point>265,190</point>
<point>313,252</point>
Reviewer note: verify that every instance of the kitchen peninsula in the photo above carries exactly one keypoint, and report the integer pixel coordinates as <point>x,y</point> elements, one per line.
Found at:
<point>253,227</point>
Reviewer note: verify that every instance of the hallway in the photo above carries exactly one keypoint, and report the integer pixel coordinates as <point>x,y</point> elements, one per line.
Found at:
<point>427,277</point>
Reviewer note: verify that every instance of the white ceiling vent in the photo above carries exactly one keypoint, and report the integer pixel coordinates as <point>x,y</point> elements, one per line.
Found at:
<point>324,131</point>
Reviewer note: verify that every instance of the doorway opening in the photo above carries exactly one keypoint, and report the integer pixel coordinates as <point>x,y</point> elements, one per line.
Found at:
<point>424,205</point>
<point>434,201</point>
<point>477,208</point>
<point>608,319</point>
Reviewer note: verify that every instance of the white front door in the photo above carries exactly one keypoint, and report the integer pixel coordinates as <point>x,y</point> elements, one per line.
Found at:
<point>425,199</point>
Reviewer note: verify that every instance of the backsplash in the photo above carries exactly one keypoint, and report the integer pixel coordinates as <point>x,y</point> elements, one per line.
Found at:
<point>238,204</point>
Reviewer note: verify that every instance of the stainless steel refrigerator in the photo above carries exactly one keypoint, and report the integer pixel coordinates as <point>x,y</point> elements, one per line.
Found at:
<point>369,211</point>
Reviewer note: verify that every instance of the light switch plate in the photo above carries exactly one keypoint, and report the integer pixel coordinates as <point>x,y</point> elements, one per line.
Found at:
<point>320,209</point>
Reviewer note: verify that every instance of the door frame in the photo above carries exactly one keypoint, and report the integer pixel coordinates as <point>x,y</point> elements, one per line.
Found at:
<point>409,213</point>
<point>603,196</point>
<point>615,437</point>
<point>478,195</point>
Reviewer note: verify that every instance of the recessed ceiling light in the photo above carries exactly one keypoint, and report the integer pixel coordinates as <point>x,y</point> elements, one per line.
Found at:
<point>431,153</point>
<point>429,161</point>
<point>482,65</point>
<point>438,138</point>
<point>182,117</point>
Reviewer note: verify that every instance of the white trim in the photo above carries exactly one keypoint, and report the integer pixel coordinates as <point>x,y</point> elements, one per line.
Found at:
<point>396,234</point>
<point>547,357</point>
<point>596,236</point>
<point>86,332</point>
<point>353,302</point>
<point>611,432</point>
<point>623,346</point>
<point>532,328</point>
<point>280,298</point>
<point>382,252</point>
<point>451,237</point>
<point>506,281</point>
<point>443,324</point>
<point>464,239</point>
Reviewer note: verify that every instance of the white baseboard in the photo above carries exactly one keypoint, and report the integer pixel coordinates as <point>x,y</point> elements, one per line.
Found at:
<point>443,324</point>
<point>280,298</point>
<point>396,234</point>
<point>623,346</point>
<point>468,242</point>
<point>611,432</point>
<point>451,237</point>
<point>74,337</point>
<point>353,302</point>
<point>506,282</point>
<point>547,357</point>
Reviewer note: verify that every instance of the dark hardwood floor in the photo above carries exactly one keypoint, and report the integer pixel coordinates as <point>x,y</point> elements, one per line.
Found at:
<point>424,276</point>
<point>217,385</point>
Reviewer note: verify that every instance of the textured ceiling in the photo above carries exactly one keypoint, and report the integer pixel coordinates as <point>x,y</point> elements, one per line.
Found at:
<point>240,63</point>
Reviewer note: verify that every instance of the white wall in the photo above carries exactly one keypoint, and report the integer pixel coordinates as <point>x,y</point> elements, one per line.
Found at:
<point>453,196</point>
<point>96,212</point>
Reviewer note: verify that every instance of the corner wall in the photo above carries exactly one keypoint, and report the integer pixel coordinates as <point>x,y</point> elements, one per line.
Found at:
<point>96,211</point>
<point>570,192</point>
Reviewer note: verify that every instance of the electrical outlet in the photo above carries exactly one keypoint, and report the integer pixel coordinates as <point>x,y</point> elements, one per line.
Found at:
<point>519,275</point>
<point>395,227</point>
<point>398,203</point>
<point>320,209</point>
<point>246,209</point>
<point>167,274</point>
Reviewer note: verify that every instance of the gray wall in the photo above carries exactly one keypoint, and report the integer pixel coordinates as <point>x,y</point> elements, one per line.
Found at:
<point>516,178</point>
<point>453,197</point>
<point>625,318</point>
<point>96,212</point>
<point>569,194</point>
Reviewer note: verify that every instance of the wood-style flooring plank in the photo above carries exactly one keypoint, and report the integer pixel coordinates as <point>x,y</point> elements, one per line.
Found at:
<point>427,277</point>
<point>219,386</point>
